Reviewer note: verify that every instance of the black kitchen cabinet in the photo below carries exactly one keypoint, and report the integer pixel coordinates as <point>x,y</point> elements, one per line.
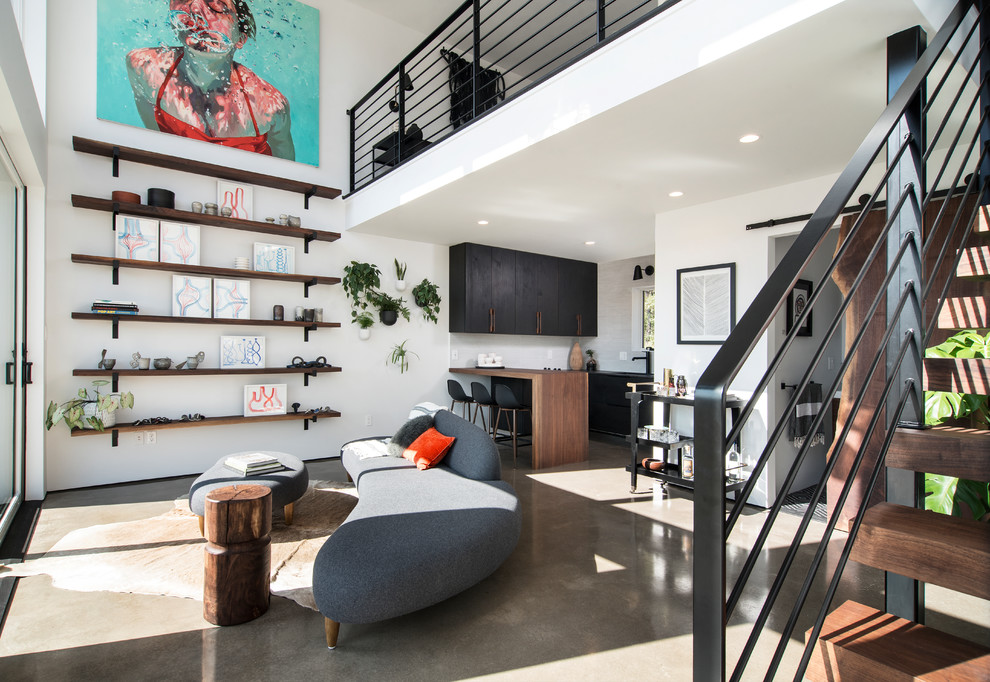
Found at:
<point>536,294</point>
<point>482,289</point>
<point>502,291</point>
<point>608,407</point>
<point>577,309</point>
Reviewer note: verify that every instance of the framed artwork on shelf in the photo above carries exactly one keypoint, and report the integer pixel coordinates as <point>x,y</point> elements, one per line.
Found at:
<point>262,399</point>
<point>274,258</point>
<point>797,301</point>
<point>135,238</point>
<point>192,296</point>
<point>238,198</point>
<point>242,352</point>
<point>179,243</point>
<point>232,299</point>
<point>706,303</point>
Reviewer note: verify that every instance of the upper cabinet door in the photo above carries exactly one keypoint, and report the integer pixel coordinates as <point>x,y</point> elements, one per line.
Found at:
<point>577,313</point>
<point>482,289</point>
<point>503,308</point>
<point>536,294</point>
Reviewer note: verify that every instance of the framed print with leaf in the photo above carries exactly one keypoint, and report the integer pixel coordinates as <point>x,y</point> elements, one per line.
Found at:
<point>797,301</point>
<point>706,303</point>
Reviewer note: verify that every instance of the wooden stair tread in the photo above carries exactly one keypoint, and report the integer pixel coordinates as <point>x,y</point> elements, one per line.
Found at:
<point>934,548</point>
<point>966,305</point>
<point>966,375</point>
<point>975,261</point>
<point>947,450</point>
<point>861,643</point>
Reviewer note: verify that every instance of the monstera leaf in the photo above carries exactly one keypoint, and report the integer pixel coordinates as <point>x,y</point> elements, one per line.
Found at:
<point>940,492</point>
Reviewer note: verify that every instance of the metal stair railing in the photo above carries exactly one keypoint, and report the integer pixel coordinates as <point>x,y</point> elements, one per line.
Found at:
<point>917,249</point>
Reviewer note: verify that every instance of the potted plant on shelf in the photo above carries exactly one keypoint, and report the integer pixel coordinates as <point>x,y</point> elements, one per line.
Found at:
<point>400,275</point>
<point>360,279</point>
<point>365,322</point>
<point>592,364</point>
<point>87,411</point>
<point>389,307</point>
<point>399,356</point>
<point>426,294</point>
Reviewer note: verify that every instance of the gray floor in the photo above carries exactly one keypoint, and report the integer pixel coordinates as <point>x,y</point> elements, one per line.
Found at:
<point>599,588</point>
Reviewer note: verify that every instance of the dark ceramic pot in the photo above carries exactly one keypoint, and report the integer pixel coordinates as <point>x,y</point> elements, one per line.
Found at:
<point>388,317</point>
<point>161,197</point>
<point>125,197</point>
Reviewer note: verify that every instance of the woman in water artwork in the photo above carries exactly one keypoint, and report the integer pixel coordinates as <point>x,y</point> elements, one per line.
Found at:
<point>197,90</point>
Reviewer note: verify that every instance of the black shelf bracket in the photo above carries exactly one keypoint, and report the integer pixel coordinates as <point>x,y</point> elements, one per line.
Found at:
<point>306,377</point>
<point>114,437</point>
<point>116,164</point>
<point>311,192</point>
<point>307,421</point>
<point>116,275</point>
<point>115,327</point>
<point>113,216</point>
<point>311,237</point>
<point>114,379</point>
<point>307,285</point>
<point>306,330</point>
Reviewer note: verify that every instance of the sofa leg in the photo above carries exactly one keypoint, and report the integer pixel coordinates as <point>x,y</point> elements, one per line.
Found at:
<point>332,629</point>
<point>202,529</point>
<point>289,510</point>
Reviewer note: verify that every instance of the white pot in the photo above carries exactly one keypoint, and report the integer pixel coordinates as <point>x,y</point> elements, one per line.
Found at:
<point>400,285</point>
<point>364,334</point>
<point>108,418</point>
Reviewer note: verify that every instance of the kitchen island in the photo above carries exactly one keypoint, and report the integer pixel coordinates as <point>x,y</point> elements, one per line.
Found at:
<point>560,412</point>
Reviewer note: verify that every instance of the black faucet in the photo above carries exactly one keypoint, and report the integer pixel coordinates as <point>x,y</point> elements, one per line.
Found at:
<point>648,356</point>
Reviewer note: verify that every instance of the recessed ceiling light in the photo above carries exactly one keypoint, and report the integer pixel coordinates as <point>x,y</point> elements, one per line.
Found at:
<point>747,139</point>
<point>676,193</point>
<point>482,222</point>
<point>589,243</point>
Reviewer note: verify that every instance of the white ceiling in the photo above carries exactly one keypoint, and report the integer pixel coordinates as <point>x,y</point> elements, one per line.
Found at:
<point>811,91</point>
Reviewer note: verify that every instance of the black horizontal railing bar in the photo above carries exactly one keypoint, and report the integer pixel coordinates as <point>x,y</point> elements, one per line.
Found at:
<point>502,23</point>
<point>784,568</point>
<point>764,533</point>
<point>534,34</point>
<point>743,339</point>
<point>635,9</point>
<point>466,5</point>
<point>933,96</point>
<point>774,364</point>
<point>850,540</point>
<point>560,56</point>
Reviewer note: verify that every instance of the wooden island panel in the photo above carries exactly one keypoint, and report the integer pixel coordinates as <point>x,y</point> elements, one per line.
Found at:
<point>560,412</point>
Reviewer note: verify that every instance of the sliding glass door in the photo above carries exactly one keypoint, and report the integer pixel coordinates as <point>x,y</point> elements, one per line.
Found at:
<point>12,233</point>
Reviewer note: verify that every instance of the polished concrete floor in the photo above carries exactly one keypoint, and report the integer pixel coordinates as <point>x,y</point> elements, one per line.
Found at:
<point>599,588</point>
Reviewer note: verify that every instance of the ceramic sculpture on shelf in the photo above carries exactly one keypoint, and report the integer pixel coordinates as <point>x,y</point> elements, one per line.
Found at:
<point>576,359</point>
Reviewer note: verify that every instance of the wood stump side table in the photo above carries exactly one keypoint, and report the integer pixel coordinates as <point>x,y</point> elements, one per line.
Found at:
<point>238,554</point>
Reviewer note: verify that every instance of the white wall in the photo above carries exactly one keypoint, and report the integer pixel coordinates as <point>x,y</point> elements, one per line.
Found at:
<point>711,234</point>
<point>350,60</point>
<point>619,327</point>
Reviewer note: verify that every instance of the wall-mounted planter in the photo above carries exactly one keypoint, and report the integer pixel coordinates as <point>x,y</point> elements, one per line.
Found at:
<point>400,285</point>
<point>364,334</point>
<point>388,317</point>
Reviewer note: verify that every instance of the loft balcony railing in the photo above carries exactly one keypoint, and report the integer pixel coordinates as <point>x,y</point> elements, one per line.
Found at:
<point>486,53</point>
<point>916,185</point>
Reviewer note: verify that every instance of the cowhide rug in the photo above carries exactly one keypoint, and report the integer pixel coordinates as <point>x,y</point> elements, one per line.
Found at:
<point>163,555</point>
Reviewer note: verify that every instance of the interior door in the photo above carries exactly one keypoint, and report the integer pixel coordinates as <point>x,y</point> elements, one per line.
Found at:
<point>12,221</point>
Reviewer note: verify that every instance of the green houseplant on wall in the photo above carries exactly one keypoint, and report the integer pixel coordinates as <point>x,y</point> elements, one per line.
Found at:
<point>400,275</point>
<point>945,494</point>
<point>426,294</point>
<point>87,411</point>
<point>360,279</point>
<point>389,307</point>
<point>399,356</point>
<point>365,322</point>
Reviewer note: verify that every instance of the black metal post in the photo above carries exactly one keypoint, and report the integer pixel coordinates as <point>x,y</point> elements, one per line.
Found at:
<point>476,61</point>
<point>401,99</point>
<point>709,534</point>
<point>350,117</point>
<point>904,596</point>
<point>984,35</point>
<point>601,20</point>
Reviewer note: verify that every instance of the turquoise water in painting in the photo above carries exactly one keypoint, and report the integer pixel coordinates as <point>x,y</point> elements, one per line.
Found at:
<point>285,52</point>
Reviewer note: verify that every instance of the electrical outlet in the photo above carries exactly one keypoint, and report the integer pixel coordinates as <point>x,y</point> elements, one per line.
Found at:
<point>623,355</point>
<point>150,437</point>
<point>140,437</point>
<point>367,420</point>
<point>453,354</point>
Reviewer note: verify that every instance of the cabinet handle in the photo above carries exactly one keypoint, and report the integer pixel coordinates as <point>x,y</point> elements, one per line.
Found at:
<point>579,324</point>
<point>539,322</point>
<point>491,320</point>
<point>27,373</point>
<point>10,373</point>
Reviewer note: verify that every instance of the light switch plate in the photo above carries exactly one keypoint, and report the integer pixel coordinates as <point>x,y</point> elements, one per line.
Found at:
<point>622,355</point>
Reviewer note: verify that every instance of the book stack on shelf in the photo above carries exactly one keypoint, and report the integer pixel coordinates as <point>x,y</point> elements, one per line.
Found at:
<point>105,306</point>
<point>252,464</point>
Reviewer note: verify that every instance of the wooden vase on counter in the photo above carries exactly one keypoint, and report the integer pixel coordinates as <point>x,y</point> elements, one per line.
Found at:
<point>576,359</point>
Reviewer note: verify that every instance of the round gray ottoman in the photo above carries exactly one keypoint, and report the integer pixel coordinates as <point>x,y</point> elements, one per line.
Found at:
<point>287,485</point>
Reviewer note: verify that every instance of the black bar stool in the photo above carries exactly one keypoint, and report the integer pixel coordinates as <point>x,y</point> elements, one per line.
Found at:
<point>457,395</point>
<point>482,398</point>
<point>507,402</point>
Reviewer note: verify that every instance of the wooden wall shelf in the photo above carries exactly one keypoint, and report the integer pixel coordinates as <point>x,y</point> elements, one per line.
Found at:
<point>202,270</point>
<point>115,374</point>
<point>121,153</point>
<point>161,213</point>
<point>307,327</point>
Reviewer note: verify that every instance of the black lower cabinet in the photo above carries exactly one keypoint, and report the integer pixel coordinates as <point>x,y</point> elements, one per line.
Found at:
<point>608,406</point>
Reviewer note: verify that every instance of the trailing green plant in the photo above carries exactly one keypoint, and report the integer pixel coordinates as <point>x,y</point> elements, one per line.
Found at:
<point>399,356</point>
<point>383,302</point>
<point>400,270</point>
<point>359,280</point>
<point>72,411</point>
<point>426,294</point>
<point>365,320</point>
<point>945,494</point>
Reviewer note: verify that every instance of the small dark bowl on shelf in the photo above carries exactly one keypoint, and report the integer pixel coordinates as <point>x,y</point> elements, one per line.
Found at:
<point>126,197</point>
<point>164,198</point>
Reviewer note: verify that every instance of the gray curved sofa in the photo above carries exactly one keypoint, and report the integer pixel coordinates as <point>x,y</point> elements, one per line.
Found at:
<point>417,537</point>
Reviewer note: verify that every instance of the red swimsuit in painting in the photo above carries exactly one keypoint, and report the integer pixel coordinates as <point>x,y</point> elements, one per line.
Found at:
<point>167,123</point>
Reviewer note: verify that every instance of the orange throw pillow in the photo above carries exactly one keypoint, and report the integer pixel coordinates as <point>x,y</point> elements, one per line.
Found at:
<point>427,450</point>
